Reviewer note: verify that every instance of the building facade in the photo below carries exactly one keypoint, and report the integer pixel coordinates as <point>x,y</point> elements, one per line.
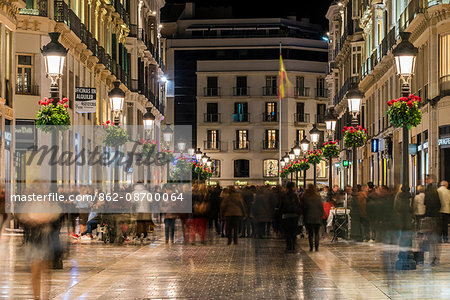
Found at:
<point>362,36</point>
<point>222,76</point>
<point>107,41</point>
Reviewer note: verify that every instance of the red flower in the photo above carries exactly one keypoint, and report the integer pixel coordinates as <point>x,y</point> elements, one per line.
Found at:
<point>343,130</point>
<point>66,105</point>
<point>65,99</point>
<point>410,104</point>
<point>108,122</point>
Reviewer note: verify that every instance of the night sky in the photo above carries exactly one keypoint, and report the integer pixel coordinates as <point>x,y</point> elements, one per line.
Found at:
<point>315,10</point>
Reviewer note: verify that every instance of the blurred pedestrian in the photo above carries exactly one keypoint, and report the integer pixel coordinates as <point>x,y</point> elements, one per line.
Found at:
<point>444,197</point>
<point>313,212</point>
<point>290,211</point>
<point>432,214</point>
<point>200,213</point>
<point>232,209</point>
<point>419,205</point>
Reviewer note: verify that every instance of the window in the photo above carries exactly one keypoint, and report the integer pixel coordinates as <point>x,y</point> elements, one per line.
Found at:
<point>300,89</point>
<point>299,135</point>
<point>271,86</point>
<point>212,87</point>
<point>444,62</point>
<point>356,60</point>
<point>300,113</point>
<point>212,139</point>
<point>270,167</point>
<point>212,114</point>
<point>320,87</point>
<point>271,139</point>
<point>241,139</point>
<point>240,112</point>
<point>321,113</point>
<point>215,168</point>
<point>24,74</point>
<point>241,86</point>
<point>322,169</point>
<point>241,168</point>
<point>271,112</point>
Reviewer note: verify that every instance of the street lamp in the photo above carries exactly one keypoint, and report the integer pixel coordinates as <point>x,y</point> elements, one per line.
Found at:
<point>54,55</point>
<point>116,99</point>
<point>297,149</point>
<point>149,119</point>
<point>330,122</point>
<point>198,154</point>
<point>304,144</point>
<point>191,152</point>
<point>405,56</point>
<point>181,146</point>
<point>354,98</point>
<point>314,133</point>
<point>204,158</point>
<point>167,134</point>
<point>291,155</point>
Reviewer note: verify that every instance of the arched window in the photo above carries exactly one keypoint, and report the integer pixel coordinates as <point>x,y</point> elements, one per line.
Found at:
<point>270,168</point>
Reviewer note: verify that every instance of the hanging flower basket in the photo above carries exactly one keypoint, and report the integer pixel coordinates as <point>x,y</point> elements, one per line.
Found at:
<point>166,156</point>
<point>314,157</point>
<point>200,171</point>
<point>149,148</point>
<point>51,115</point>
<point>354,137</point>
<point>404,111</point>
<point>182,168</point>
<point>330,149</point>
<point>115,136</point>
<point>300,165</point>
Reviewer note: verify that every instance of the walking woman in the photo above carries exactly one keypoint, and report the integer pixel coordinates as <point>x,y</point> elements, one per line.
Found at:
<point>290,211</point>
<point>313,212</point>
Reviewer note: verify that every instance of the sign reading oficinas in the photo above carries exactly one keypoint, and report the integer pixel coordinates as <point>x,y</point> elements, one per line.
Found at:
<point>85,100</point>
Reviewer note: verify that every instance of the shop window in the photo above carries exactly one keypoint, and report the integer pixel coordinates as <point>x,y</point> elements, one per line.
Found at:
<point>241,168</point>
<point>215,168</point>
<point>270,167</point>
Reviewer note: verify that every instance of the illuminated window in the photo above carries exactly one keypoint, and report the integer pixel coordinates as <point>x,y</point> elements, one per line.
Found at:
<point>270,168</point>
<point>24,74</point>
<point>322,169</point>
<point>215,168</point>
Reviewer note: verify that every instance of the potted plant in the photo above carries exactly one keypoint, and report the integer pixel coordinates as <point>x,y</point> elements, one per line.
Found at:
<point>314,157</point>
<point>115,136</point>
<point>149,148</point>
<point>354,136</point>
<point>404,111</point>
<point>51,115</point>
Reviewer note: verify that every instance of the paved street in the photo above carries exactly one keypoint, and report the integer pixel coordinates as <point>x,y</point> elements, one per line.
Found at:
<point>254,269</point>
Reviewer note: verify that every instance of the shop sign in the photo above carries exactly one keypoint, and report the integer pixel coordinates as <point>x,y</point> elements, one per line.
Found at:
<point>25,131</point>
<point>337,165</point>
<point>85,100</point>
<point>238,182</point>
<point>444,142</point>
<point>345,163</point>
<point>212,183</point>
<point>412,149</point>
<point>374,145</point>
<point>425,145</point>
<point>268,182</point>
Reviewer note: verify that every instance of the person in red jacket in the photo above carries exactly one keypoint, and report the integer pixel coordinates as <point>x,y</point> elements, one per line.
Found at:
<point>327,205</point>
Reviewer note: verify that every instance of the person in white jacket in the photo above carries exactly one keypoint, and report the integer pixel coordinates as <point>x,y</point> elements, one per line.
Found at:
<point>444,196</point>
<point>419,206</point>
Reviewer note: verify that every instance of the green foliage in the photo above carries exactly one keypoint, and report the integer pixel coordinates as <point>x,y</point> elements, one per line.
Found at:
<point>404,111</point>
<point>115,136</point>
<point>149,148</point>
<point>354,136</point>
<point>296,166</point>
<point>314,157</point>
<point>53,116</point>
<point>330,149</point>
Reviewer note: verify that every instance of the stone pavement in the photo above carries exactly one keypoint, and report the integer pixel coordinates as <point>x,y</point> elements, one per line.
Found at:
<point>253,269</point>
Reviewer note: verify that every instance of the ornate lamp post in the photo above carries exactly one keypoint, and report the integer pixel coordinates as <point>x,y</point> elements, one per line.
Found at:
<point>167,137</point>
<point>285,160</point>
<point>304,144</point>
<point>354,98</point>
<point>314,133</point>
<point>330,122</point>
<point>149,120</point>
<point>54,55</point>
<point>191,152</point>
<point>116,100</point>
<point>405,57</point>
<point>198,158</point>
<point>296,151</point>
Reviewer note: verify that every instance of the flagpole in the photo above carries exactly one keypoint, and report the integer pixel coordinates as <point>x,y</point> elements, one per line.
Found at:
<point>279,131</point>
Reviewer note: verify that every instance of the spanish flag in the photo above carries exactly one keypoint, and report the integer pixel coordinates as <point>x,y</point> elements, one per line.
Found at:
<point>282,79</point>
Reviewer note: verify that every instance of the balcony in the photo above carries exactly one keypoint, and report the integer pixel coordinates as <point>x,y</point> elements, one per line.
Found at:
<point>211,92</point>
<point>301,92</point>
<point>411,11</point>
<point>320,118</point>
<point>269,91</point>
<point>241,91</point>
<point>241,145</point>
<point>321,93</point>
<point>270,117</point>
<point>211,145</point>
<point>40,9</point>
<point>118,7</point>
<point>32,90</point>
<point>270,145</point>
<point>211,118</point>
<point>241,118</point>
<point>301,118</point>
